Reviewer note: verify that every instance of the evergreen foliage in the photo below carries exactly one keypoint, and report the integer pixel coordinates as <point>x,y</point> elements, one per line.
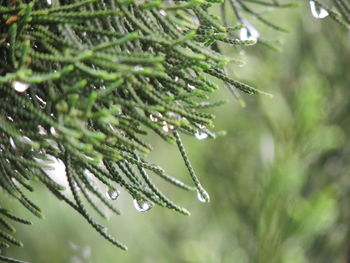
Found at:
<point>84,82</point>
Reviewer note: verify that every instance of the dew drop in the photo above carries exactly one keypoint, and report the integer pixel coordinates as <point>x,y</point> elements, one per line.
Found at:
<point>142,206</point>
<point>317,11</point>
<point>113,194</point>
<point>12,143</point>
<point>22,143</point>
<point>49,2</point>
<point>167,127</point>
<point>20,86</point>
<point>162,12</point>
<point>42,130</point>
<point>200,135</point>
<point>203,196</point>
<point>248,33</point>
<point>53,131</point>
<point>191,87</point>
<point>138,68</point>
<point>25,140</point>
<point>153,118</point>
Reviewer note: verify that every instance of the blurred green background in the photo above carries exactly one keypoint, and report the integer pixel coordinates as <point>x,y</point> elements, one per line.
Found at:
<point>279,181</point>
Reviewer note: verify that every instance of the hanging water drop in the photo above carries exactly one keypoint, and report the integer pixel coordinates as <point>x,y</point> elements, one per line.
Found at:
<point>200,135</point>
<point>248,33</point>
<point>22,143</point>
<point>153,118</point>
<point>42,130</point>
<point>20,86</point>
<point>142,205</point>
<point>162,12</point>
<point>12,143</point>
<point>167,127</point>
<point>317,11</point>
<point>112,193</point>
<point>53,131</point>
<point>191,87</point>
<point>203,196</point>
<point>49,2</point>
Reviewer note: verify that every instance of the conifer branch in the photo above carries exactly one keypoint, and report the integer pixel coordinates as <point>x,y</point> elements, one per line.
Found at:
<point>83,82</point>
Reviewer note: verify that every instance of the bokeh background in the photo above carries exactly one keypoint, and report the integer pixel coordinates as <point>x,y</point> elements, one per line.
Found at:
<point>279,181</point>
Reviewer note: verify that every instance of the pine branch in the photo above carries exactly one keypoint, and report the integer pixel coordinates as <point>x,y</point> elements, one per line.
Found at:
<point>83,82</point>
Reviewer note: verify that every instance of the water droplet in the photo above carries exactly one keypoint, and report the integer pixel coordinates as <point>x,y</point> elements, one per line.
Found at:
<point>200,135</point>
<point>57,172</point>
<point>49,2</point>
<point>162,12</point>
<point>176,79</point>
<point>153,118</point>
<point>142,206</point>
<point>113,194</point>
<point>20,86</point>
<point>138,68</point>
<point>248,33</point>
<point>53,131</point>
<point>12,143</point>
<point>191,87</point>
<point>22,143</point>
<point>25,140</point>
<point>42,130</point>
<point>317,11</point>
<point>167,127</point>
<point>203,197</point>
